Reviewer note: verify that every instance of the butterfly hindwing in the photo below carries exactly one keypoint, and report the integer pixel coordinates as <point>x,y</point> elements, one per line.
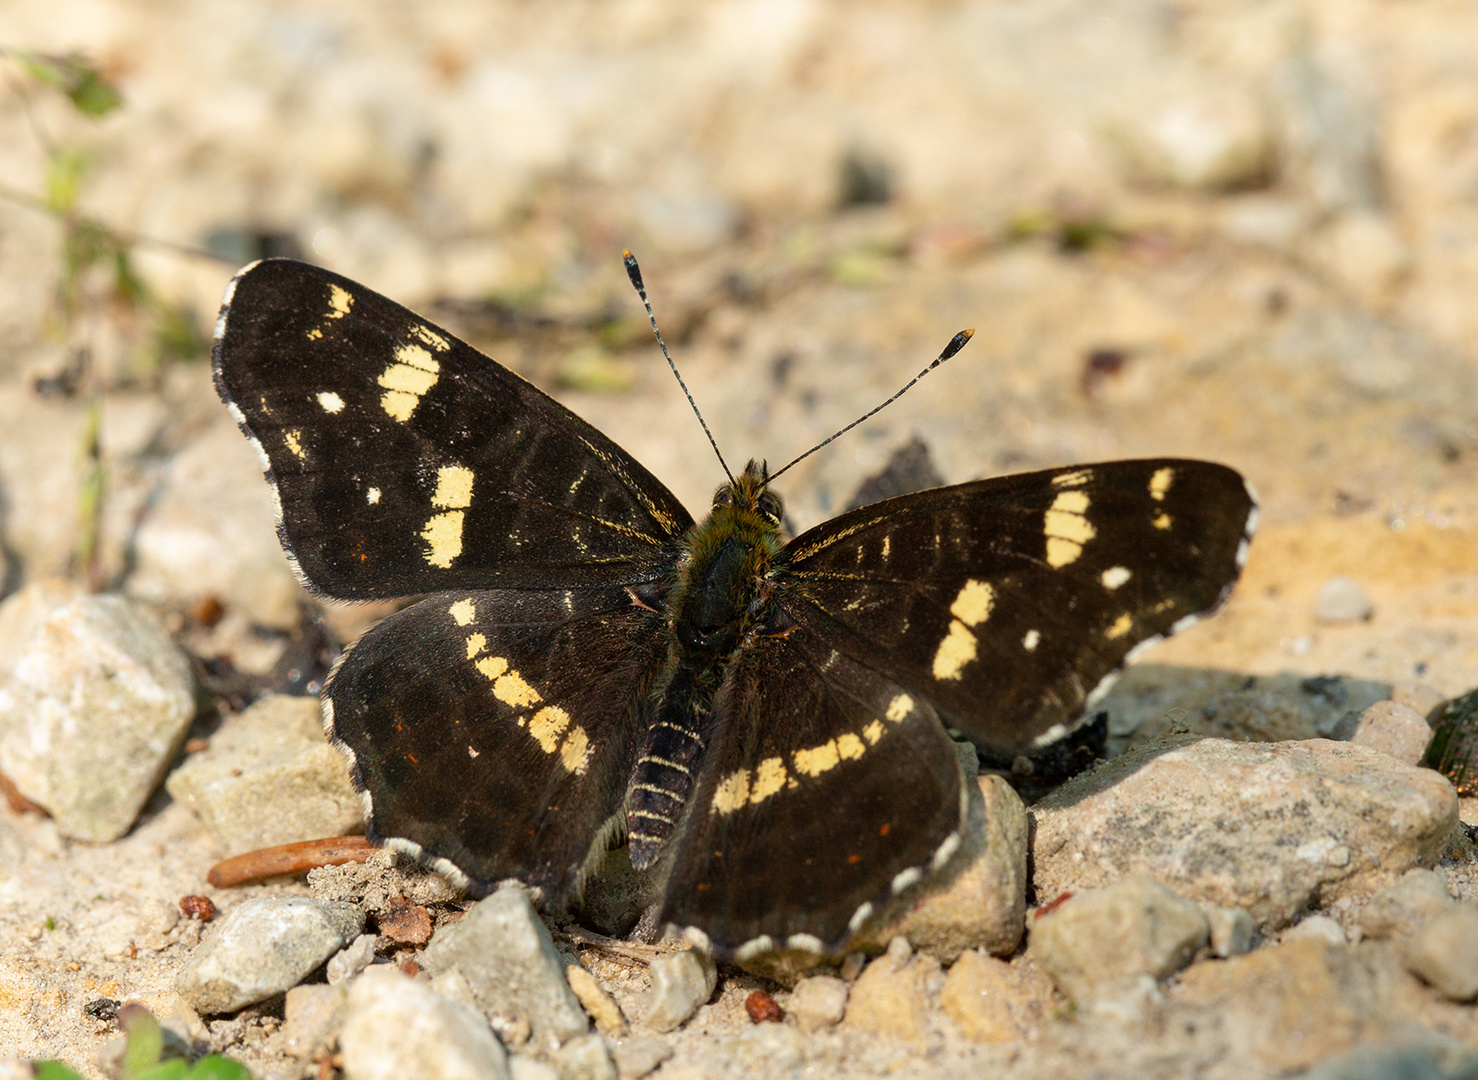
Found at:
<point>405,461</point>
<point>1006,602</point>
<point>828,788</point>
<point>493,731</point>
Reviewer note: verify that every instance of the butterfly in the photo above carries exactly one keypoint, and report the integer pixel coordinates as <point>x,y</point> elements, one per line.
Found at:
<point>765,723</point>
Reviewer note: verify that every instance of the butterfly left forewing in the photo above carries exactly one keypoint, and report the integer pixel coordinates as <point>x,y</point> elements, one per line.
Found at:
<point>492,732</point>
<point>1007,602</point>
<point>828,789</point>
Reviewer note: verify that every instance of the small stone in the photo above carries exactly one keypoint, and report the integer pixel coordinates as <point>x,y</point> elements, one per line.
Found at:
<point>584,1058</point>
<point>1395,729</point>
<point>680,983</point>
<point>1319,927</point>
<point>505,952</point>
<point>1394,1062</point>
<point>763,1009</point>
<point>312,1015</point>
<point>262,948</point>
<point>599,1004</point>
<point>637,1057</point>
<point>526,1068</point>
<point>1401,907</point>
<point>1420,696</point>
<point>269,777</point>
<point>1444,953</point>
<point>198,907</point>
<point>406,924</point>
<point>1102,940</point>
<point>976,996</point>
<point>1232,930</point>
<point>888,998</point>
<point>981,903</point>
<point>93,706</point>
<point>1342,599</point>
<point>818,1002</point>
<point>396,1028</point>
<point>1317,821</point>
<point>351,960</point>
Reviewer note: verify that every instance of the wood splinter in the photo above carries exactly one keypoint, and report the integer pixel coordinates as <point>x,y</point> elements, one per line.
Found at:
<point>296,858</point>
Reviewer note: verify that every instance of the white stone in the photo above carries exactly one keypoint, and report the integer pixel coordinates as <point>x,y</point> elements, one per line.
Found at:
<point>395,1028</point>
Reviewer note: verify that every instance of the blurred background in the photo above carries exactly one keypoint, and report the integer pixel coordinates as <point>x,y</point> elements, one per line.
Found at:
<point>1247,232</point>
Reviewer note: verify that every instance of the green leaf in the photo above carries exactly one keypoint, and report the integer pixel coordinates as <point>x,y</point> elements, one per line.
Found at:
<point>92,94</point>
<point>215,1067</point>
<point>64,173</point>
<point>145,1041</point>
<point>55,1070</point>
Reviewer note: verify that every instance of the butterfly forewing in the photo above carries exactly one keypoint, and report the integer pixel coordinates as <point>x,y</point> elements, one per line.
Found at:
<point>826,782</point>
<point>495,730</point>
<point>405,461</point>
<point>1006,602</point>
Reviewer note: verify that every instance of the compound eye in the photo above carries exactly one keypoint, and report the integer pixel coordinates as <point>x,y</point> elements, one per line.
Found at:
<point>723,497</point>
<point>769,507</point>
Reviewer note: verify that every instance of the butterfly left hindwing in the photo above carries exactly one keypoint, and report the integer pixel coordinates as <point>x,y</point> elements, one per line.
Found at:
<point>494,730</point>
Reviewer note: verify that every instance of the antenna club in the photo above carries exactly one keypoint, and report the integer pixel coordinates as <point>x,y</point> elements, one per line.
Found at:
<point>633,271</point>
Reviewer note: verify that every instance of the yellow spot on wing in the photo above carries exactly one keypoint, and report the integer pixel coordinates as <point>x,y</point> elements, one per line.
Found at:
<point>1162,521</point>
<point>315,334</point>
<point>492,666</point>
<point>294,446</point>
<point>399,404</point>
<point>404,377</point>
<point>1121,627</point>
<point>1030,642</point>
<point>417,357</point>
<point>973,605</point>
<point>430,337</point>
<point>769,777</point>
<point>330,401</point>
<point>732,792</point>
<point>406,381</point>
<point>850,747</point>
<point>339,302</point>
<point>818,759</point>
<point>464,611</point>
<point>475,644</point>
<point>1066,528</point>
<point>512,690</point>
<point>873,732</point>
<point>547,725</point>
<point>453,487</point>
<point>1076,478</point>
<point>899,707</point>
<point>574,754</point>
<point>373,495</point>
<point>443,536</point>
<point>1115,576</point>
<point>1160,483</point>
<point>955,651</point>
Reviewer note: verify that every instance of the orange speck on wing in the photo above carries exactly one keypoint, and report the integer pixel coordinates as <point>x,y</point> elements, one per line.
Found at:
<point>884,830</point>
<point>853,860</point>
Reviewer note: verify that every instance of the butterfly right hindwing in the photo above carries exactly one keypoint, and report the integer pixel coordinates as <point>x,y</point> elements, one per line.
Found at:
<point>494,731</point>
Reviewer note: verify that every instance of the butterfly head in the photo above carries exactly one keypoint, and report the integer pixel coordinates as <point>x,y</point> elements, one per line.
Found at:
<point>749,495</point>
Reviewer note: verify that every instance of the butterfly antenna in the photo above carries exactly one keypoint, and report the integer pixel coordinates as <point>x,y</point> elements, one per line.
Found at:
<point>956,343</point>
<point>634,273</point>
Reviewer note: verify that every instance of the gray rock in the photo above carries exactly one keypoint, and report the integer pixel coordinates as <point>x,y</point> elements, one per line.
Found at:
<point>1102,941</point>
<point>1444,953</point>
<point>1401,907</point>
<point>93,706</point>
<point>1411,1061</point>
<point>351,960</point>
<point>1266,827</point>
<point>584,1057</point>
<point>262,948</point>
<point>504,951</point>
<point>681,982</point>
<point>767,1050</point>
<point>1241,715</point>
<point>395,1028</point>
<point>1232,930</point>
<point>1320,927</point>
<point>312,1016</point>
<point>979,901</point>
<point>1342,599</point>
<point>637,1057</point>
<point>818,1002</point>
<point>1420,696</point>
<point>269,777</point>
<point>1395,729</point>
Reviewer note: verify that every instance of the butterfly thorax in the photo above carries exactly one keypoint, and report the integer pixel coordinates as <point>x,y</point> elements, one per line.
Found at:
<point>724,583</point>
